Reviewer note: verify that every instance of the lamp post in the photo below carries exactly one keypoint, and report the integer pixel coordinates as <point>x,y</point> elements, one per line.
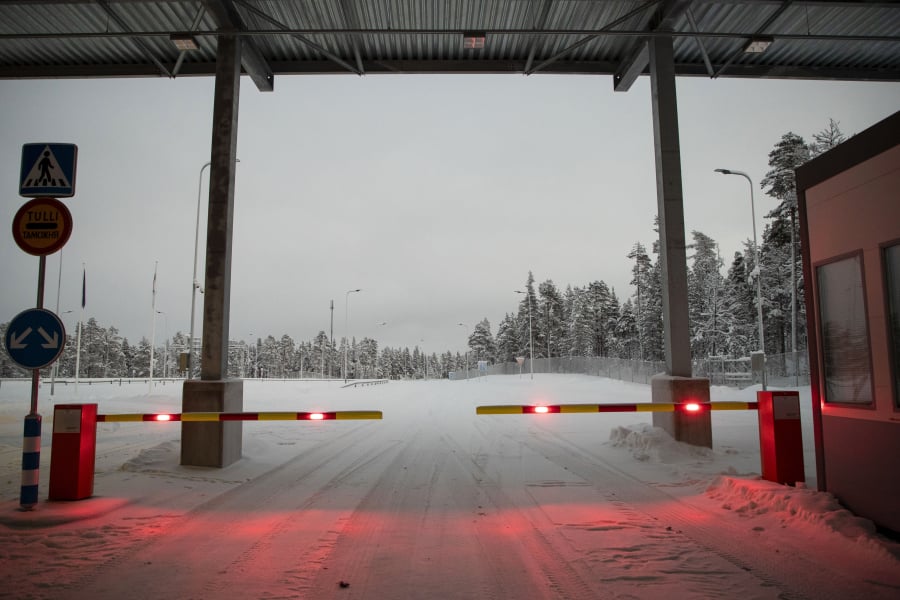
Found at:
<point>347,326</point>
<point>530,333</point>
<point>195,285</point>
<point>166,355</point>
<point>467,351</point>
<point>759,310</point>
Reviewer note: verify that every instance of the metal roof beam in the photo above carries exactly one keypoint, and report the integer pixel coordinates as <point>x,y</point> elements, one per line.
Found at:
<point>606,29</point>
<point>761,29</point>
<point>539,23</point>
<point>637,59</point>
<point>300,38</point>
<point>326,67</point>
<point>254,63</point>
<point>144,48</point>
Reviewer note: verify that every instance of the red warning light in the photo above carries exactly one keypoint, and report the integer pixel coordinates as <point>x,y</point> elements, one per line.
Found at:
<point>692,406</point>
<point>316,416</point>
<point>163,417</point>
<point>540,410</point>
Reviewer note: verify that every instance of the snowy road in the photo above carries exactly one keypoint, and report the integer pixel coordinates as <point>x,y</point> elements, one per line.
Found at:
<point>431,502</point>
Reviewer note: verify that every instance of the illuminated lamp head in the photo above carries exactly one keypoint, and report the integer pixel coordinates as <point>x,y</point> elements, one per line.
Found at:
<point>691,407</point>
<point>163,417</point>
<point>541,409</point>
<point>316,416</point>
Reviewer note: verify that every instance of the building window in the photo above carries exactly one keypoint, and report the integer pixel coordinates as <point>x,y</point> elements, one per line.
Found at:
<point>892,275</point>
<point>845,335</point>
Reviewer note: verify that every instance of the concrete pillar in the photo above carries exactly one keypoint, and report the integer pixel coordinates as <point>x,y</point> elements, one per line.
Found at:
<point>670,206</point>
<point>217,444</point>
<point>677,385</point>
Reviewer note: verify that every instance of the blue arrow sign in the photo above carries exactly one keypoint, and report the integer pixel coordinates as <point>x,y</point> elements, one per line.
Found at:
<point>48,170</point>
<point>35,338</point>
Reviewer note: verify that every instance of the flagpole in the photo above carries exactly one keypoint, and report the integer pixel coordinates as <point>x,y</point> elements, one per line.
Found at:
<point>80,319</point>
<point>153,326</point>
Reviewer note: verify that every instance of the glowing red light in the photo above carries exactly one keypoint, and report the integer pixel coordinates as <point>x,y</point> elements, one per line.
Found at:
<point>541,409</point>
<point>692,407</point>
<point>316,416</point>
<point>163,417</point>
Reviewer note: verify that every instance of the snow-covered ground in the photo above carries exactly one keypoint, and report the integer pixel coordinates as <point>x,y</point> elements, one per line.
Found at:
<point>432,502</point>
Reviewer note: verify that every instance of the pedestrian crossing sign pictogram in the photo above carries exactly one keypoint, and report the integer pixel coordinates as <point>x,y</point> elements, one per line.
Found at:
<point>48,170</point>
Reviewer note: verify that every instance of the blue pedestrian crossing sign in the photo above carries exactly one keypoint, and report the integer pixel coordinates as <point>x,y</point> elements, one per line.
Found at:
<point>35,338</point>
<point>48,170</point>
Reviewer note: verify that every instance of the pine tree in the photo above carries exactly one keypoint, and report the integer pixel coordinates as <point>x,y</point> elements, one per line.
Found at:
<point>508,340</point>
<point>481,342</point>
<point>704,285</point>
<point>827,138</point>
<point>780,242</point>
<point>526,318</point>
<point>551,318</point>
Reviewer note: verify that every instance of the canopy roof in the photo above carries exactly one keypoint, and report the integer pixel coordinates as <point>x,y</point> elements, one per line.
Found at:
<point>712,38</point>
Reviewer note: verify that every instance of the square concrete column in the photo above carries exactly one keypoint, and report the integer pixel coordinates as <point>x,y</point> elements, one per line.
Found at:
<point>218,444</point>
<point>690,428</point>
<point>677,385</point>
<point>213,444</point>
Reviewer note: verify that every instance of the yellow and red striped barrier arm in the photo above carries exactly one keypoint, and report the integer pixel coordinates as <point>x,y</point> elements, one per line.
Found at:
<point>526,409</point>
<point>341,415</point>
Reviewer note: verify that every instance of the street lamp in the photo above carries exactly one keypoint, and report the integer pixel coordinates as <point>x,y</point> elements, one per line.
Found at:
<point>467,351</point>
<point>166,356</point>
<point>195,285</point>
<point>530,333</point>
<point>759,310</point>
<point>347,326</point>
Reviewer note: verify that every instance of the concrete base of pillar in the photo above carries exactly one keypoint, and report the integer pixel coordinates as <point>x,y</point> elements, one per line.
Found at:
<point>215,444</point>
<point>690,428</point>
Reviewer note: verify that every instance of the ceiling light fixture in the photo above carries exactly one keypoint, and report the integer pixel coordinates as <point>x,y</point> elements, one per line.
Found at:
<point>758,45</point>
<point>184,41</point>
<point>473,40</point>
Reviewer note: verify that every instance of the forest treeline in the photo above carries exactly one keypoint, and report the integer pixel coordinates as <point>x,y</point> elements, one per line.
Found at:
<point>581,320</point>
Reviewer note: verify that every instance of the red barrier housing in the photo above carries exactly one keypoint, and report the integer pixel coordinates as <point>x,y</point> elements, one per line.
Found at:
<point>72,452</point>
<point>780,437</point>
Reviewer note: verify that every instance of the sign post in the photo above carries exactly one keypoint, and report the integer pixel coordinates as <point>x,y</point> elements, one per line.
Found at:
<point>35,338</point>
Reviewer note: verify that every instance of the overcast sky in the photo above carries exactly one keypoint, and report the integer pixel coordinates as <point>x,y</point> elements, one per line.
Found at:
<point>434,194</point>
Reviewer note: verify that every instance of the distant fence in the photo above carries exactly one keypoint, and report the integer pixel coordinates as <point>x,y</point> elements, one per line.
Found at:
<point>782,370</point>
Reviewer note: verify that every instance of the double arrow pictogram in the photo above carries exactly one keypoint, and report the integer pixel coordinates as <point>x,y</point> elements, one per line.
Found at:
<point>15,342</point>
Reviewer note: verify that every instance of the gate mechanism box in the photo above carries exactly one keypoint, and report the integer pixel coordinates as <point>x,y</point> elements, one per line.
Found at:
<point>73,451</point>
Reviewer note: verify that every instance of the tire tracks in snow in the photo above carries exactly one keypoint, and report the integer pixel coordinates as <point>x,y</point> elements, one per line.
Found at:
<point>794,571</point>
<point>265,507</point>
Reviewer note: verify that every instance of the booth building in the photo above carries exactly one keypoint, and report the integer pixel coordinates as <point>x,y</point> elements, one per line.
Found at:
<point>849,206</point>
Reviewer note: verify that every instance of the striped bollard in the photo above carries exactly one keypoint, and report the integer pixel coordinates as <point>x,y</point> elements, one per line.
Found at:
<point>31,462</point>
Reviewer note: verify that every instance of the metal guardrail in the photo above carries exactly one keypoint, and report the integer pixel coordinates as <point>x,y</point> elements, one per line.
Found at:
<point>365,382</point>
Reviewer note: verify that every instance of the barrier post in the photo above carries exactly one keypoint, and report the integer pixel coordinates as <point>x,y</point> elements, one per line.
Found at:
<point>73,451</point>
<point>780,437</point>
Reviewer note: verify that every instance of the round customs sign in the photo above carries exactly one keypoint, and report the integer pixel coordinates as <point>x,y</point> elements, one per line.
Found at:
<point>42,226</point>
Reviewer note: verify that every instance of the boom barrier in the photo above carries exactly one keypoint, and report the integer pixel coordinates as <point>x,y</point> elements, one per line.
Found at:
<point>342,415</point>
<point>689,407</point>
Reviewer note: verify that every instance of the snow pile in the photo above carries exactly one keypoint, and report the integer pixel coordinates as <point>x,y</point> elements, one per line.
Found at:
<point>759,497</point>
<point>652,444</point>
